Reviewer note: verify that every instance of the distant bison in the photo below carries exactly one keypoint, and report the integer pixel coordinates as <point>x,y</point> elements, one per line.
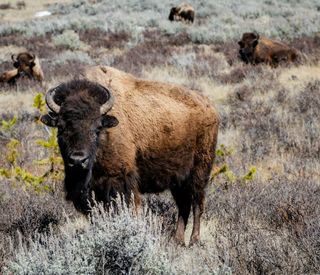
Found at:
<point>122,135</point>
<point>28,65</point>
<point>183,12</point>
<point>9,76</point>
<point>255,49</point>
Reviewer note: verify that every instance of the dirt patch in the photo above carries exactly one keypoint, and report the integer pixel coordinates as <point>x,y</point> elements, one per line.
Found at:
<point>28,10</point>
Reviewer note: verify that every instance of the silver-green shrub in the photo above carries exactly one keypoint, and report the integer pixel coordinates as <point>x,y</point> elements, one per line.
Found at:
<point>106,243</point>
<point>217,20</point>
<point>120,241</point>
<point>69,55</point>
<point>68,39</point>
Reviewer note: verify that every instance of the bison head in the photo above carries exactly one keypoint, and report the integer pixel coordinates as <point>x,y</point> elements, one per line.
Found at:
<point>247,45</point>
<point>173,11</point>
<point>24,62</point>
<point>79,110</point>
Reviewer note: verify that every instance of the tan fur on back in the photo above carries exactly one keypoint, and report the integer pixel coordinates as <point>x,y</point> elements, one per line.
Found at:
<point>269,50</point>
<point>167,112</point>
<point>271,45</point>
<point>185,7</point>
<point>37,71</point>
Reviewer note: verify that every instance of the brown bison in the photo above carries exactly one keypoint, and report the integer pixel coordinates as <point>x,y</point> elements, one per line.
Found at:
<point>9,76</point>
<point>122,135</point>
<point>255,49</point>
<point>28,65</point>
<point>183,12</point>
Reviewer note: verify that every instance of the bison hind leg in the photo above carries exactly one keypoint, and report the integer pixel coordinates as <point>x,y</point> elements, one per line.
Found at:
<point>182,196</point>
<point>199,178</point>
<point>197,207</point>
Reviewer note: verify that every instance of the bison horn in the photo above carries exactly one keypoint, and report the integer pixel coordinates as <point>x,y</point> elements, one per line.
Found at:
<point>33,57</point>
<point>50,100</point>
<point>13,58</point>
<point>106,107</point>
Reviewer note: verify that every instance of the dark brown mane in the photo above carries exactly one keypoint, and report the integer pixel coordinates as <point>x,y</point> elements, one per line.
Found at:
<point>74,87</point>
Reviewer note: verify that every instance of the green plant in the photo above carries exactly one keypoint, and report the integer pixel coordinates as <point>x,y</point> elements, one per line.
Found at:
<point>7,125</point>
<point>222,154</point>
<point>224,169</point>
<point>224,151</point>
<point>250,175</point>
<point>12,151</point>
<point>54,161</point>
<point>16,173</point>
<point>39,103</point>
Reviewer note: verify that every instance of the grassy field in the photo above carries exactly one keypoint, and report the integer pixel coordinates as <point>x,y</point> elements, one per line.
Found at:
<point>262,211</point>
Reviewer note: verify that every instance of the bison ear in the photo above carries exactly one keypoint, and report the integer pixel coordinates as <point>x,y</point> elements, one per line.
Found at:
<point>240,44</point>
<point>16,64</point>
<point>109,121</point>
<point>32,64</point>
<point>48,120</point>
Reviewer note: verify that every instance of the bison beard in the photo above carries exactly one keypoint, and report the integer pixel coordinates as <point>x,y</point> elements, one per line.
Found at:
<point>77,186</point>
<point>165,139</point>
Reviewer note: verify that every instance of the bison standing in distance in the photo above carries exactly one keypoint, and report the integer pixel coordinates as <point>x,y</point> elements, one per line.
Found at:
<point>183,12</point>
<point>122,135</point>
<point>255,49</point>
<point>28,65</point>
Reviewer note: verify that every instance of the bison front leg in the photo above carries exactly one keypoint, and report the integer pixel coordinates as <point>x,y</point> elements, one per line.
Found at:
<point>183,201</point>
<point>131,190</point>
<point>124,186</point>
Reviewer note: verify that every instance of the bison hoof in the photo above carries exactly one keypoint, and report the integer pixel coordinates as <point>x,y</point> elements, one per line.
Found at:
<point>194,240</point>
<point>179,241</point>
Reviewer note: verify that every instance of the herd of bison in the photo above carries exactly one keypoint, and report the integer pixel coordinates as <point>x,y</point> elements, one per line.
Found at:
<point>119,134</point>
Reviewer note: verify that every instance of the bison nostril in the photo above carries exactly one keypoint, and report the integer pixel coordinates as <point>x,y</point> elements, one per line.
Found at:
<point>79,159</point>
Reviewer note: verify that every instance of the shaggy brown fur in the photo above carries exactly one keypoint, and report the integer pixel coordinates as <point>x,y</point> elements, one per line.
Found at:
<point>29,65</point>
<point>165,139</point>
<point>9,76</point>
<point>255,49</point>
<point>183,12</point>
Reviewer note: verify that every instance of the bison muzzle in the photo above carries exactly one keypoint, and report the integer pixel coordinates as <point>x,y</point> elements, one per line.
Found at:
<point>122,135</point>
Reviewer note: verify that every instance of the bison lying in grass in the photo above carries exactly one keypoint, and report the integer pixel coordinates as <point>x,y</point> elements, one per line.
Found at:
<point>26,64</point>
<point>255,49</point>
<point>122,135</point>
